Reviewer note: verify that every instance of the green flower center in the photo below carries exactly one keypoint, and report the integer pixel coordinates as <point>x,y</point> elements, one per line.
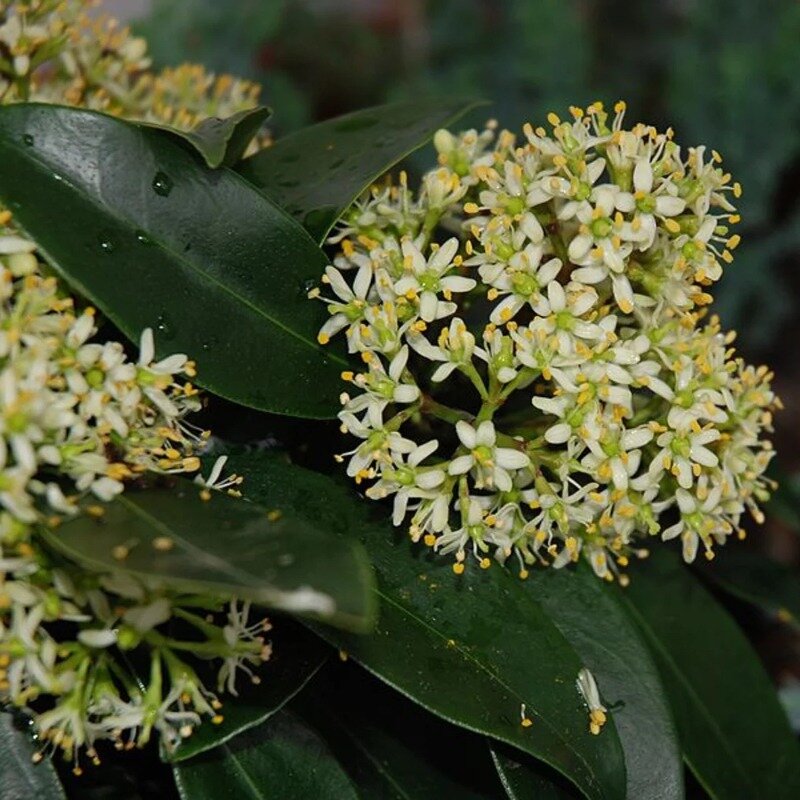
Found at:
<point>524,284</point>
<point>482,454</point>
<point>601,227</point>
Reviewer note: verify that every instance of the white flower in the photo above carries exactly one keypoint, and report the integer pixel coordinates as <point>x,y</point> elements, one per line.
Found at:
<point>701,520</point>
<point>492,465</point>
<point>350,303</point>
<point>456,348</point>
<point>427,279</point>
<point>587,686</point>
<point>684,453</point>
<point>407,479</point>
<point>383,386</point>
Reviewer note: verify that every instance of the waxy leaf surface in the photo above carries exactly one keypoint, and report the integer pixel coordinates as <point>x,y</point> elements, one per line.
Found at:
<point>143,228</point>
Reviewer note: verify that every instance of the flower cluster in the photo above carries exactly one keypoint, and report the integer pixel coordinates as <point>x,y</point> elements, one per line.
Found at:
<point>56,51</point>
<point>540,377</point>
<point>79,421</point>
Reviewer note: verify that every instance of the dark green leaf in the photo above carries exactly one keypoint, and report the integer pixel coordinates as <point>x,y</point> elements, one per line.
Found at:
<point>316,173</point>
<point>156,239</point>
<point>296,658</point>
<point>20,778</point>
<point>391,748</point>
<point>734,734</point>
<point>588,613</point>
<point>756,579</point>
<point>283,759</point>
<point>471,649</point>
<point>222,142</point>
<point>227,547</point>
<point>524,779</point>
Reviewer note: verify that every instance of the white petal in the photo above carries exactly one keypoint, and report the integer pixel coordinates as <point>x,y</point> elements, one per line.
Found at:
<point>502,480</point>
<point>643,176</point>
<point>428,305</point>
<point>147,348</point>
<point>422,452</point>
<point>558,434</point>
<point>363,280</point>
<point>509,458</point>
<point>430,479</point>
<point>339,284</point>
<point>443,257</point>
<point>669,206</point>
<point>702,455</point>
<point>485,434</point>
<point>405,393</point>
<point>442,373</point>
<point>398,363</point>
<point>97,637</point>
<point>466,434</point>
<point>456,283</point>
<point>636,438</point>
<point>460,465</point>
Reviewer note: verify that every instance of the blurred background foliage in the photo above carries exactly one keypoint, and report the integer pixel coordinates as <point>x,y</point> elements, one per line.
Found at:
<point>721,72</point>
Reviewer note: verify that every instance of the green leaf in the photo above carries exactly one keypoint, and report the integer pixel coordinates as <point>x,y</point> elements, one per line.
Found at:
<point>227,547</point>
<point>523,779</point>
<point>296,658</point>
<point>317,172</point>
<point>471,649</point>
<point>282,759</point>
<point>391,748</point>
<point>588,612</point>
<point>21,778</point>
<point>157,239</point>
<point>734,734</point>
<point>221,142</point>
<point>756,579</point>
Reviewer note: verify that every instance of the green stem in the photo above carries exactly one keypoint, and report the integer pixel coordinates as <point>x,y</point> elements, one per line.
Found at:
<point>470,371</point>
<point>443,412</point>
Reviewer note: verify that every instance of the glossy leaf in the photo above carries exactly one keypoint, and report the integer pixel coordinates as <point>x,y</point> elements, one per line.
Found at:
<point>391,748</point>
<point>734,734</point>
<point>524,779</point>
<point>317,172</point>
<point>296,658</point>
<point>283,759</point>
<point>157,239</point>
<point>20,778</point>
<point>227,546</point>
<point>221,142</point>
<point>756,579</point>
<point>588,613</point>
<point>471,649</point>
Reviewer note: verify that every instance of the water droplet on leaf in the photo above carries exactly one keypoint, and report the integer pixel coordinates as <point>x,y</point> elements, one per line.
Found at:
<point>28,139</point>
<point>164,327</point>
<point>162,184</point>
<point>107,243</point>
<point>142,238</point>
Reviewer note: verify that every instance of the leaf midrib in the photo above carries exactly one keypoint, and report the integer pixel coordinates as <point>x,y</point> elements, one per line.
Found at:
<point>124,221</point>
<point>689,689</point>
<point>483,668</point>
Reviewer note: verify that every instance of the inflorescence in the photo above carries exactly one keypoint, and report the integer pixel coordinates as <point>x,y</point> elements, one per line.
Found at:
<point>540,377</point>
<point>79,422</point>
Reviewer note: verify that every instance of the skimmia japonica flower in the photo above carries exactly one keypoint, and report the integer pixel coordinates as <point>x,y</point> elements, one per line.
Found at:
<point>79,420</point>
<point>541,378</point>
